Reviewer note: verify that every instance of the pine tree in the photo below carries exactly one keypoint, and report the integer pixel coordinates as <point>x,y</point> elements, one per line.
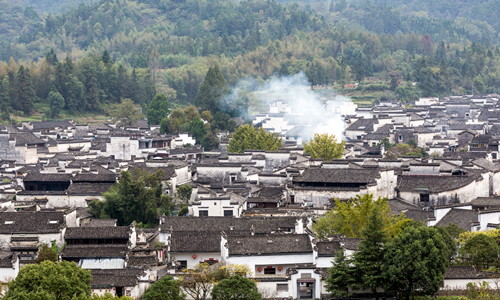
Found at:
<point>93,93</point>
<point>211,91</point>
<point>25,95</point>
<point>340,276</point>
<point>75,101</point>
<point>105,57</point>
<point>369,259</point>
<point>123,82</point>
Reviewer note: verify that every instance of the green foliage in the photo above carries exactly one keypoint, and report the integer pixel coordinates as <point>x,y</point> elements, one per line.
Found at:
<point>415,260</point>
<point>138,196</point>
<point>340,276</point>
<point>197,129</point>
<point>236,288</point>
<point>56,103</point>
<point>108,296</point>
<point>211,90</point>
<point>324,146</point>
<point>248,137</point>
<point>46,252</point>
<point>166,288</point>
<point>350,218</point>
<point>405,150</point>
<point>48,280</point>
<point>158,109</point>
<point>126,114</point>
<point>184,193</point>
<point>480,250</point>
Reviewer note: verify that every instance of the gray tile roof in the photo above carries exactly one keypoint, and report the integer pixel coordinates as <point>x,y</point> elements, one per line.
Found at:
<point>269,244</point>
<point>463,218</point>
<point>115,277</point>
<point>327,249</point>
<point>33,222</point>
<point>136,261</point>
<point>338,175</point>
<point>460,272</point>
<point>88,188</point>
<point>94,251</point>
<point>97,232</point>
<point>47,177</point>
<point>434,184</point>
<point>363,125</point>
<point>195,241</point>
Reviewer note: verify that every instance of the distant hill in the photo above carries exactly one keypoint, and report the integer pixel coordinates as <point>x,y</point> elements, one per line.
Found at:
<point>53,6</point>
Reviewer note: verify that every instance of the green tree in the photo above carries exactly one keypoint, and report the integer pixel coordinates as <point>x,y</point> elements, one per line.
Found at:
<point>211,90</point>
<point>76,94</point>
<point>56,102</point>
<point>105,57</point>
<point>138,196</point>
<point>480,250</point>
<point>164,289</point>
<point>49,280</point>
<point>126,114</point>
<point>370,257</point>
<point>158,109</point>
<point>184,193</point>
<point>174,122</point>
<point>351,217</point>
<point>360,70</point>
<point>394,83</point>
<point>340,276</point>
<point>248,137</point>
<point>236,288</point>
<point>197,129</point>
<point>25,94</point>
<point>324,146</point>
<point>415,262</point>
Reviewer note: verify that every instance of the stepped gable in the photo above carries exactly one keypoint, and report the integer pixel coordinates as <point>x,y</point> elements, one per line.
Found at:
<point>269,244</point>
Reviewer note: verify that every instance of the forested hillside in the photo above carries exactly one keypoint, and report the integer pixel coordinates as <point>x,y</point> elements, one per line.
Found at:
<point>170,44</point>
<point>54,6</point>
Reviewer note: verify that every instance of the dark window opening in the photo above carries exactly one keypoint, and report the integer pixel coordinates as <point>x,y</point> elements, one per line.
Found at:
<point>228,213</point>
<point>424,198</point>
<point>203,213</point>
<point>182,264</point>
<point>270,271</point>
<point>292,199</point>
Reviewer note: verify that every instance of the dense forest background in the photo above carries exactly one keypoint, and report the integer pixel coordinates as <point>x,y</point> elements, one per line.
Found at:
<point>94,54</point>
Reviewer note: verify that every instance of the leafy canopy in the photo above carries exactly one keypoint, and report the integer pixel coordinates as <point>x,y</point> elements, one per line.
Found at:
<point>236,288</point>
<point>480,250</point>
<point>248,137</point>
<point>324,146</point>
<point>166,288</point>
<point>48,280</point>
<point>126,114</point>
<point>415,260</point>
<point>138,196</point>
<point>351,217</point>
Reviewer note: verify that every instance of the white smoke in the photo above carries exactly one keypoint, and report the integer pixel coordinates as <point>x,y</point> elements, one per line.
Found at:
<point>305,108</point>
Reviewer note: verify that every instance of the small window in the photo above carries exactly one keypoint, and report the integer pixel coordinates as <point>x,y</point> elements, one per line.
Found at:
<point>9,222</point>
<point>52,222</point>
<point>270,271</point>
<point>400,138</point>
<point>424,198</point>
<point>203,213</point>
<point>215,203</point>
<point>494,155</point>
<point>182,264</point>
<point>282,287</point>
<point>228,213</point>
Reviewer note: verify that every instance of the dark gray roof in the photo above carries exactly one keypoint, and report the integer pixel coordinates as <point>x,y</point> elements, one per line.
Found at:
<point>136,261</point>
<point>101,223</point>
<point>269,244</point>
<point>90,177</point>
<point>460,272</point>
<point>338,175</point>
<point>466,154</point>
<point>463,218</point>
<point>51,125</point>
<point>262,200</point>
<point>328,249</point>
<point>418,215</point>
<point>260,225</point>
<point>486,201</point>
<point>115,277</point>
<point>47,177</point>
<point>27,138</point>
<point>38,222</point>
<point>88,188</point>
<point>399,206</point>
<point>271,191</point>
<point>94,251</point>
<point>363,125</point>
<point>433,184</point>
<point>375,136</point>
<point>351,243</point>
<point>195,241</point>
<point>97,232</point>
